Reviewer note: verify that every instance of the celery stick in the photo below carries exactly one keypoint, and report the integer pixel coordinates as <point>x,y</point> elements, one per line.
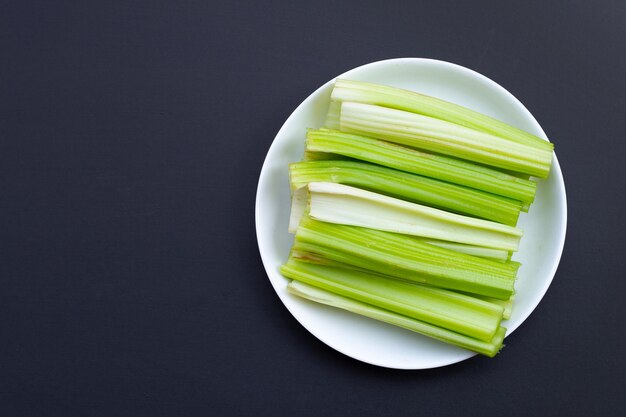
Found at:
<point>457,312</point>
<point>302,252</point>
<point>313,258</point>
<point>408,187</point>
<point>405,257</point>
<point>439,167</point>
<point>328,298</point>
<point>439,136</point>
<point>478,251</point>
<point>343,204</point>
<point>362,92</point>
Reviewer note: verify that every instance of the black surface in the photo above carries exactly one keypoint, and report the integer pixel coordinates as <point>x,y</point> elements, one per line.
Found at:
<point>132,135</point>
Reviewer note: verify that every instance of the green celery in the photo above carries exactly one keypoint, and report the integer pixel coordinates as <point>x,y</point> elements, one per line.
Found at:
<point>328,298</point>
<point>409,187</point>
<point>343,204</point>
<point>439,167</point>
<point>302,252</point>
<point>457,312</point>
<point>313,258</point>
<point>363,92</point>
<point>423,132</point>
<point>405,257</point>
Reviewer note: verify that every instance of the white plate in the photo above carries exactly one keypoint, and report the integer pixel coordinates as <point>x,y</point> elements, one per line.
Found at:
<point>365,339</point>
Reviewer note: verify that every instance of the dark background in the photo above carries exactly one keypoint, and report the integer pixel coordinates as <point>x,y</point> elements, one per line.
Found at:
<point>132,135</point>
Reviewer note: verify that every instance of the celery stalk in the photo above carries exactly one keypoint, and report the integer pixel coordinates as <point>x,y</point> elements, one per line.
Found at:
<point>439,167</point>
<point>457,312</point>
<point>302,252</point>
<point>328,298</point>
<point>363,92</point>
<point>480,252</point>
<point>312,258</point>
<point>343,204</point>
<point>439,136</point>
<point>408,187</point>
<point>405,257</point>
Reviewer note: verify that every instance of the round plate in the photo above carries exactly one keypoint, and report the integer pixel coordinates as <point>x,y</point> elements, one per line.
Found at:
<point>365,339</point>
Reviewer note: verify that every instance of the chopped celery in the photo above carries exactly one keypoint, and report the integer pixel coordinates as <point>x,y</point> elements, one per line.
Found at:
<point>363,92</point>
<point>328,298</point>
<point>405,257</point>
<point>439,136</point>
<point>439,167</point>
<point>408,187</point>
<point>343,204</point>
<point>457,312</point>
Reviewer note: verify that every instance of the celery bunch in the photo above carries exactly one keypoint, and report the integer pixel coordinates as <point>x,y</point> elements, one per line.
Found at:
<point>404,210</point>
